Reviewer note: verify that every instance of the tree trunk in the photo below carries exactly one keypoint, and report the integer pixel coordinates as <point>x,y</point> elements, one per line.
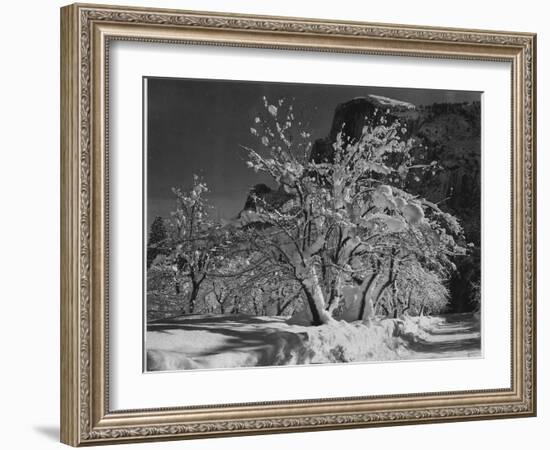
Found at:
<point>281,306</point>
<point>235,309</point>
<point>388,283</point>
<point>394,299</point>
<point>193,297</point>
<point>316,319</point>
<point>381,292</point>
<point>366,310</point>
<point>315,297</point>
<point>409,299</point>
<point>336,295</point>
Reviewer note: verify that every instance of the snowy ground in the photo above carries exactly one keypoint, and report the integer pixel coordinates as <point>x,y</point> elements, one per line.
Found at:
<point>206,342</point>
<point>449,336</point>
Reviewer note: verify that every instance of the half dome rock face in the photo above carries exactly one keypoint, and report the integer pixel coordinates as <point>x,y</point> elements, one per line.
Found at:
<point>351,117</point>
<point>450,131</point>
<point>390,102</point>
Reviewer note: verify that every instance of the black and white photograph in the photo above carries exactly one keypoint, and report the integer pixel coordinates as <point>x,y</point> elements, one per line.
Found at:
<point>288,224</point>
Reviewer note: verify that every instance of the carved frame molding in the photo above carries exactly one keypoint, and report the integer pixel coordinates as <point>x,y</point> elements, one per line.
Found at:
<point>86,31</point>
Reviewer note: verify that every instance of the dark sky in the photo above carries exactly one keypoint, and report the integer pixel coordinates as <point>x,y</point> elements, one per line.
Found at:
<point>196,126</point>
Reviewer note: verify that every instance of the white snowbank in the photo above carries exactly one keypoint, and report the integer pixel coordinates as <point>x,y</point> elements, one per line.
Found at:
<point>204,342</point>
<point>353,342</point>
<point>419,327</point>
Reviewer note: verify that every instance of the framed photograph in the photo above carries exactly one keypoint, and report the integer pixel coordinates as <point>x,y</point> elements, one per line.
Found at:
<point>274,224</point>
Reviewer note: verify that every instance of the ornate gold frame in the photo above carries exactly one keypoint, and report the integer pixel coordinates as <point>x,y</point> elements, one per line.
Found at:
<point>86,31</point>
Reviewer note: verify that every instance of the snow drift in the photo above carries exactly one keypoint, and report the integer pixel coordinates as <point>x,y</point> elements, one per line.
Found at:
<point>206,342</point>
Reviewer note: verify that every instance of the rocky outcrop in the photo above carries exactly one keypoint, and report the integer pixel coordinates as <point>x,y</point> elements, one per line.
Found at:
<point>263,193</point>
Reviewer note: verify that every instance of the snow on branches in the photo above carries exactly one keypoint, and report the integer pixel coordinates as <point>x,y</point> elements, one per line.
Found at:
<point>350,218</point>
<point>344,237</point>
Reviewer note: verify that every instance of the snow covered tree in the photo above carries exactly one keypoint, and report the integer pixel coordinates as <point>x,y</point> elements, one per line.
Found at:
<point>193,241</point>
<point>157,240</point>
<point>241,283</point>
<point>227,288</point>
<point>348,221</point>
<point>162,298</point>
<point>415,290</point>
<point>475,298</point>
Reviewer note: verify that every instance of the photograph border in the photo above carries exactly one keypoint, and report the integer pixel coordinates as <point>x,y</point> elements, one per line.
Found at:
<point>86,32</point>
